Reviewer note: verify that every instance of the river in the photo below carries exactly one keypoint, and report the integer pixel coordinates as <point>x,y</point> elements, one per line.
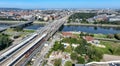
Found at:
<point>89,29</point>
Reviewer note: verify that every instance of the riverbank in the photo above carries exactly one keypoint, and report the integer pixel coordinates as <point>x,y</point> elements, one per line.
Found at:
<point>11,22</point>
<point>15,22</point>
<point>102,37</point>
<point>40,22</point>
<point>97,25</point>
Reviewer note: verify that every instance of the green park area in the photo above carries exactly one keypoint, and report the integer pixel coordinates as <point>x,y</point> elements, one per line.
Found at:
<point>85,52</point>
<point>112,48</point>
<point>18,32</point>
<point>100,36</point>
<point>82,16</point>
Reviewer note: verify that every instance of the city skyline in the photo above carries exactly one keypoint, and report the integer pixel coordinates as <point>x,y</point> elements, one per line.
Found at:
<point>59,4</point>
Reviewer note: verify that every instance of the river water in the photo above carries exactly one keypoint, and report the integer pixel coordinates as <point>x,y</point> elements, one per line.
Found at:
<point>89,29</point>
<point>34,26</point>
<point>3,25</point>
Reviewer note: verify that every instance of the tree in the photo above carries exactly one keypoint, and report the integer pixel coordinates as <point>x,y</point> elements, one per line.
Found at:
<point>68,63</point>
<point>57,62</point>
<point>117,36</point>
<point>82,34</point>
<point>117,51</point>
<point>71,40</point>
<point>5,41</point>
<point>82,15</point>
<point>94,53</point>
<point>80,50</point>
<point>111,50</point>
<point>95,23</point>
<point>110,36</point>
<point>58,46</point>
<point>69,49</point>
<point>18,29</point>
<point>92,35</point>
<point>73,56</point>
<point>80,60</point>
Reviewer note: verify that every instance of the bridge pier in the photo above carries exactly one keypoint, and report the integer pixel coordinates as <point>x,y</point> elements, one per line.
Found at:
<point>61,28</point>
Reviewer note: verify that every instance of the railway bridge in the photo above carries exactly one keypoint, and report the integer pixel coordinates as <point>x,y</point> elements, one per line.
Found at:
<point>20,54</point>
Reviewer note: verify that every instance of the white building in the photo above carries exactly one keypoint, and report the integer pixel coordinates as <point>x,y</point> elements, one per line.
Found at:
<point>114,19</point>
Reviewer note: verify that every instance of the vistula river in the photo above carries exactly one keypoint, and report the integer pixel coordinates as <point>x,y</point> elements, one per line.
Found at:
<point>89,29</point>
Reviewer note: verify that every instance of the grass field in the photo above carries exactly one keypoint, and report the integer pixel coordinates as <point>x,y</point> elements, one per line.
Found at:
<point>22,33</point>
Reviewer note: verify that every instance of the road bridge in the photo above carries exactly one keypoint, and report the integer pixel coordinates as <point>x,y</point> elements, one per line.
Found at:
<point>21,24</point>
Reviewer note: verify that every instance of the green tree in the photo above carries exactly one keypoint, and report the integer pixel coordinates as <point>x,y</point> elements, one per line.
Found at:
<point>18,29</point>
<point>57,62</point>
<point>80,60</point>
<point>82,15</point>
<point>68,63</point>
<point>69,49</point>
<point>5,41</point>
<point>117,51</point>
<point>82,34</point>
<point>94,53</point>
<point>73,56</point>
<point>117,36</point>
<point>110,36</point>
<point>80,49</point>
<point>58,46</point>
<point>71,40</point>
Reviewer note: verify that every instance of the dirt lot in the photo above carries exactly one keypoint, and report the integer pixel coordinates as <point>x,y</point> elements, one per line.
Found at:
<point>107,57</point>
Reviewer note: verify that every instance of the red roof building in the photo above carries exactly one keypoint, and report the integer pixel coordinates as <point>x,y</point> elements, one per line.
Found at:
<point>88,38</point>
<point>68,34</point>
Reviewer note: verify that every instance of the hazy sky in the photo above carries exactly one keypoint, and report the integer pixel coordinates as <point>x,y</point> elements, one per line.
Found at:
<point>60,3</point>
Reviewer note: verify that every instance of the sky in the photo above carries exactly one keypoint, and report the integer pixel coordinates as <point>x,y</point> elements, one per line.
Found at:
<point>60,3</point>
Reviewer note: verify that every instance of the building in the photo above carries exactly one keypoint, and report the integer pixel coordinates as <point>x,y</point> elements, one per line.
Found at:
<point>91,40</point>
<point>102,17</point>
<point>90,20</point>
<point>68,34</point>
<point>45,18</point>
<point>114,19</point>
<point>73,45</point>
